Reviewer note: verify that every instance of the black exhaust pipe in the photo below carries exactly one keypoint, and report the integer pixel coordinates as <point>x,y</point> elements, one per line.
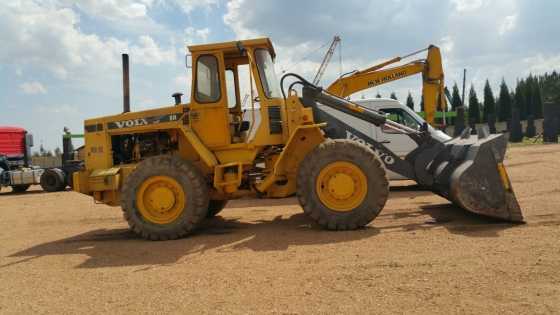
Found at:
<point>126,84</point>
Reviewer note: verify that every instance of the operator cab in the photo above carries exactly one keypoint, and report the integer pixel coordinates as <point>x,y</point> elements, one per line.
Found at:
<point>228,79</point>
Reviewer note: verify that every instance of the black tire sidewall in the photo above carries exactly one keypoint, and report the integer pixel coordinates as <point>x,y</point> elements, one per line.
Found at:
<point>193,185</point>
<point>55,175</point>
<point>342,151</point>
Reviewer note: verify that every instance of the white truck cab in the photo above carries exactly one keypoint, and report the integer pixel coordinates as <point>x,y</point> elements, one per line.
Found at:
<point>398,143</point>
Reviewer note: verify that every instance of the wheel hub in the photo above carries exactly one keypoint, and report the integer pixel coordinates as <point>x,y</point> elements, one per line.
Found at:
<point>160,199</point>
<point>341,186</point>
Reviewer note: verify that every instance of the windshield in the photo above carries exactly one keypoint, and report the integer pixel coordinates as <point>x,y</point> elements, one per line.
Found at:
<point>267,73</point>
<point>402,117</point>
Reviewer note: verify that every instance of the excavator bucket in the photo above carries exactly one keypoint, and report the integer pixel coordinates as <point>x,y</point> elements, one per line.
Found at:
<point>469,171</point>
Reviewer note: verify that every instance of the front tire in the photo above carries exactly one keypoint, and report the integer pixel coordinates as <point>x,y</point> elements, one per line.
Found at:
<point>164,198</point>
<point>52,180</point>
<point>342,185</point>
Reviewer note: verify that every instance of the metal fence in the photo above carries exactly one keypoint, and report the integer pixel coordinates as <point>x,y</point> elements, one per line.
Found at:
<point>502,126</point>
<point>46,161</point>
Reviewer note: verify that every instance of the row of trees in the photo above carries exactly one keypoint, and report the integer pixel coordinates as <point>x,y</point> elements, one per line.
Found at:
<point>528,97</point>
<point>45,153</point>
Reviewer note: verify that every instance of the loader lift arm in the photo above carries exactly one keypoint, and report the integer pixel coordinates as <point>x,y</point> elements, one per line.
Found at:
<point>467,170</point>
<point>431,68</point>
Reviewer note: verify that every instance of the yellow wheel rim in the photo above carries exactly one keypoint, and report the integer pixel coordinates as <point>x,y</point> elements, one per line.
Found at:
<point>341,186</point>
<point>160,199</point>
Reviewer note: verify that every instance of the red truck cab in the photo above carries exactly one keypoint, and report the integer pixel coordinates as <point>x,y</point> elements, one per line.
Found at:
<point>14,146</point>
<point>15,151</point>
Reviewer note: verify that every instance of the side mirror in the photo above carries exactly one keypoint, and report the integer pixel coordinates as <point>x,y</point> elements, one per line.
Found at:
<point>188,61</point>
<point>386,129</point>
<point>29,139</point>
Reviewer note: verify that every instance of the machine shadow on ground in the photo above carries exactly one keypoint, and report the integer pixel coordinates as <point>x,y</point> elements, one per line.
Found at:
<point>120,247</point>
<point>450,217</point>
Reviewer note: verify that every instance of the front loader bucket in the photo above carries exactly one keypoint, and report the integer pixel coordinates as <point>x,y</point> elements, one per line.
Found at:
<point>469,171</point>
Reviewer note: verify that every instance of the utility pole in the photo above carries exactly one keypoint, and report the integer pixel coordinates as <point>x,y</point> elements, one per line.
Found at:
<point>464,80</point>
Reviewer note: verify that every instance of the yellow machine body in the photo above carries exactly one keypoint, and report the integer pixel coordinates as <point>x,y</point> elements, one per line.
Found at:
<point>170,168</point>
<point>206,131</point>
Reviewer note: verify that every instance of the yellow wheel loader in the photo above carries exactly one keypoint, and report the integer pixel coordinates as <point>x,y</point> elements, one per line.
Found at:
<point>172,167</point>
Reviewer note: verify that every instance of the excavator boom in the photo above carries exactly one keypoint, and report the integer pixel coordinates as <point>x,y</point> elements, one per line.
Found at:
<point>432,76</point>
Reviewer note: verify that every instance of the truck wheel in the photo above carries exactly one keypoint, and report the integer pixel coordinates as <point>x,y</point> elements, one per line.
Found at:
<point>53,180</point>
<point>215,207</point>
<point>20,188</point>
<point>164,198</point>
<point>342,185</point>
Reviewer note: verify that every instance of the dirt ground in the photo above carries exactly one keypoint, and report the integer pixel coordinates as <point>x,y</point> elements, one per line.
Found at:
<point>61,253</point>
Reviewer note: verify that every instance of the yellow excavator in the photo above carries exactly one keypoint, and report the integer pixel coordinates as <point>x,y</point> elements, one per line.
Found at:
<point>170,168</point>
<point>433,88</point>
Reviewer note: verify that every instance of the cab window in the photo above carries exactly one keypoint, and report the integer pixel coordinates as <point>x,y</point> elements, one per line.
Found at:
<point>207,79</point>
<point>265,64</point>
<point>400,116</point>
<point>231,90</point>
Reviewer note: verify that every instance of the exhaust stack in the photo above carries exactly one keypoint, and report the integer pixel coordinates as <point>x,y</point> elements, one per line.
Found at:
<point>126,84</point>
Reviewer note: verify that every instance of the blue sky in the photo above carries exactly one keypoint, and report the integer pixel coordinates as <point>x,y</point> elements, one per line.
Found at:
<point>60,59</point>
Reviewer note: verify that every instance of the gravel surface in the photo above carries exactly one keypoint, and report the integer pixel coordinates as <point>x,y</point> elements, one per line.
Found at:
<point>61,253</point>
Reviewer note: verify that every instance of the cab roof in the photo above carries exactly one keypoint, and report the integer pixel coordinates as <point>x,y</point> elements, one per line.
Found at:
<point>234,46</point>
<point>10,129</point>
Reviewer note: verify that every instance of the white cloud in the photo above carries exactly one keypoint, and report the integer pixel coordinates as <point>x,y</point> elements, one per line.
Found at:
<point>196,35</point>
<point>50,37</point>
<point>467,5</point>
<point>57,109</point>
<point>234,18</point>
<point>540,63</point>
<point>472,35</point>
<point>33,87</point>
<point>113,10</point>
<point>147,52</point>
<point>189,5</point>
<point>508,24</point>
<point>447,44</point>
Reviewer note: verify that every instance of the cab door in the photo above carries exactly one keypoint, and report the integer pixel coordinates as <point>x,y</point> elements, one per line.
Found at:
<point>399,143</point>
<point>209,113</point>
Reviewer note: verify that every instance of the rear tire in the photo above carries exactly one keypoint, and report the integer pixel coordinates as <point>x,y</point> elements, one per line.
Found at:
<point>342,185</point>
<point>164,198</point>
<point>215,207</point>
<point>52,180</point>
<point>20,188</point>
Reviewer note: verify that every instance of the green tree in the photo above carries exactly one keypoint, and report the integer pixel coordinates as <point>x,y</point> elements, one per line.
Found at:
<point>474,107</point>
<point>489,103</point>
<point>504,103</point>
<point>519,100</point>
<point>537,100</point>
<point>393,96</point>
<point>455,97</point>
<point>57,152</point>
<point>528,91</point>
<point>410,101</point>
